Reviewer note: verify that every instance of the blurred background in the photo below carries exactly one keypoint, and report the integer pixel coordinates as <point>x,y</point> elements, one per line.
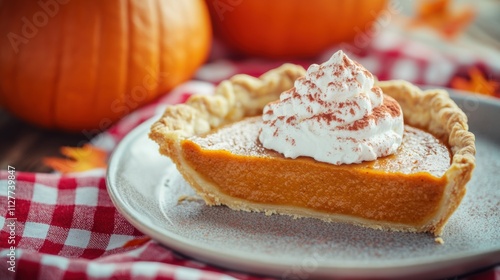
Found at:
<point>76,76</point>
<point>71,70</point>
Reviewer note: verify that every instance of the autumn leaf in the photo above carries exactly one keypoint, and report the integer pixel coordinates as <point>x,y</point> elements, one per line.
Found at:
<point>79,159</point>
<point>445,19</point>
<point>136,242</point>
<point>477,82</point>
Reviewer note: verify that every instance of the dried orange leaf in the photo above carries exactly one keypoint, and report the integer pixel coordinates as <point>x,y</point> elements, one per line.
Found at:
<point>477,82</point>
<point>136,242</point>
<point>440,15</point>
<point>79,159</point>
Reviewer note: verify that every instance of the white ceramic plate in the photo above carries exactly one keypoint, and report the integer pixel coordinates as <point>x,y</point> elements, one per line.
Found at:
<point>145,188</point>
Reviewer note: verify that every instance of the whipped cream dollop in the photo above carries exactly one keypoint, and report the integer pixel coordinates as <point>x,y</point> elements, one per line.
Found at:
<point>334,114</point>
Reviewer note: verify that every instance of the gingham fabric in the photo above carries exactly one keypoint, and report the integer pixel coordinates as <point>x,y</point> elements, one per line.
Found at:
<point>66,227</point>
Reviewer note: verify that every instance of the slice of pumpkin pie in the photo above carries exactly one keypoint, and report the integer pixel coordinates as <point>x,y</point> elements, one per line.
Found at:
<point>328,143</point>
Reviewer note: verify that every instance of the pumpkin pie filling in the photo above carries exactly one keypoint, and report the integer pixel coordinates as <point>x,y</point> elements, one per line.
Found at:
<point>216,143</point>
<point>405,187</point>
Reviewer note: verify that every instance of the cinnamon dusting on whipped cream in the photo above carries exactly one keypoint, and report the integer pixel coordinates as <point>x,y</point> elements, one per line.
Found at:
<point>334,114</point>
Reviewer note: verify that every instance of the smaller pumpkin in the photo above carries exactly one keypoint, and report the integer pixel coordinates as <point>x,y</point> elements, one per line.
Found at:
<point>82,65</point>
<point>290,28</point>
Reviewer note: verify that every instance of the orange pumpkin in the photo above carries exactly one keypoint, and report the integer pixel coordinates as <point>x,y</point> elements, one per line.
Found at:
<point>290,28</point>
<point>79,65</point>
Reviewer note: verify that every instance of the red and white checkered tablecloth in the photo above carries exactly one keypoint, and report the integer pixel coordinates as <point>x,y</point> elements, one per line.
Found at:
<point>66,227</point>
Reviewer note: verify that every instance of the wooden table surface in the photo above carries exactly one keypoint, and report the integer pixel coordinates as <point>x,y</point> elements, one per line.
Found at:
<point>24,146</point>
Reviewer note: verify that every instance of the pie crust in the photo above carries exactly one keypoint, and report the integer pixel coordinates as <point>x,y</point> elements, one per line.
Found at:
<point>242,96</point>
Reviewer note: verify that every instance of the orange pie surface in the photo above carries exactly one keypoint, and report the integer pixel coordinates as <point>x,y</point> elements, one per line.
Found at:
<point>406,187</point>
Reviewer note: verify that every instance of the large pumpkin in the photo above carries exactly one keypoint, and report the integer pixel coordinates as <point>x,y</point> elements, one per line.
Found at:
<point>83,64</point>
<point>290,28</point>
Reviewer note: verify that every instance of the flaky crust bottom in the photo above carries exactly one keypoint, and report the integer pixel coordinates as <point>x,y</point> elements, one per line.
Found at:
<point>244,96</point>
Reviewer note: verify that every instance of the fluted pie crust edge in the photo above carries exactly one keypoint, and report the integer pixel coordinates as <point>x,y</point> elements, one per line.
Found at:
<point>243,96</point>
